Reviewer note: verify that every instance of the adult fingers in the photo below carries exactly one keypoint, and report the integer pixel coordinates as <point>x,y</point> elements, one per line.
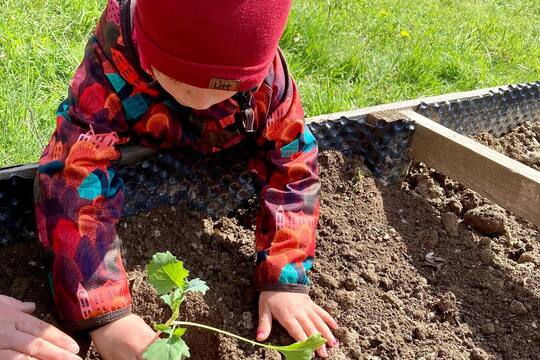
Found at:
<point>310,329</point>
<point>36,347</point>
<point>327,318</point>
<point>13,355</point>
<point>27,307</point>
<point>38,328</point>
<point>265,322</point>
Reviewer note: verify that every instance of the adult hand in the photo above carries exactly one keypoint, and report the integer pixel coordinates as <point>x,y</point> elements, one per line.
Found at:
<point>24,337</point>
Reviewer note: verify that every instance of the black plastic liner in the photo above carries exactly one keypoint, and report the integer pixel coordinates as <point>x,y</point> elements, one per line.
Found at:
<point>219,183</point>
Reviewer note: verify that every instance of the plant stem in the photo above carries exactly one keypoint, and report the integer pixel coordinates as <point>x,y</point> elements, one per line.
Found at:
<point>254,343</point>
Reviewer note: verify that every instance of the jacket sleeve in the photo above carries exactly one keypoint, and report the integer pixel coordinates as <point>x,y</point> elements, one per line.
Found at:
<point>79,199</point>
<point>288,170</point>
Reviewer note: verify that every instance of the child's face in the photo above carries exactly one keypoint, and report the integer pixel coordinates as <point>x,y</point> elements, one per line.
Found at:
<point>191,96</point>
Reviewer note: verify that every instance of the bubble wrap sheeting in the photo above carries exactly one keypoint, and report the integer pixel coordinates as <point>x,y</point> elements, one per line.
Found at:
<point>497,112</point>
<point>384,145</point>
<point>205,184</point>
<point>220,183</point>
<point>216,184</point>
<point>17,222</point>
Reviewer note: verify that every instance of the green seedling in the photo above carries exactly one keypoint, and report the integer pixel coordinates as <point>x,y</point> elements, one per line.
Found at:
<point>170,279</point>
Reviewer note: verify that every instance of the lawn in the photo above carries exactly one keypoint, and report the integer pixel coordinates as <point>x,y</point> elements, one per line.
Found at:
<point>344,54</point>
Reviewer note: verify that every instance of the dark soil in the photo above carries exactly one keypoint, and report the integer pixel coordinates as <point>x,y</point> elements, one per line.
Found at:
<point>422,270</point>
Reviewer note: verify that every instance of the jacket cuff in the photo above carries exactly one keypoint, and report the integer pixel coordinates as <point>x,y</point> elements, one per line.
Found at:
<point>296,288</point>
<point>94,323</point>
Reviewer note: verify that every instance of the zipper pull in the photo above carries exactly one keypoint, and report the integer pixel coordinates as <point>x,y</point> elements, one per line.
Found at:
<point>248,120</point>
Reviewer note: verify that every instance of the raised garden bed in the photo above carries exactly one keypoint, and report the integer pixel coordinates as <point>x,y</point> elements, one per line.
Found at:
<point>421,269</point>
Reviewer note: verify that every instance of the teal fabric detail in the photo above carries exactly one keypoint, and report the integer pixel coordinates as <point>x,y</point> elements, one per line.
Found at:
<point>290,149</point>
<point>51,167</point>
<point>90,187</point>
<point>115,184</point>
<point>134,107</point>
<point>116,81</point>
<point>63,110</point>
<point>308,264</point>
<point>308,143</point>
<point>288,275</point>
<point>309,140</point>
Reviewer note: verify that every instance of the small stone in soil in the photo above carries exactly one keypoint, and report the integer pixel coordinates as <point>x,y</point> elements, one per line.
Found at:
<point>247,320</point>
<point>488,329</point>
<point>429,237</point>
<point>391,298</point>
<point>517,307</point>
<point>478,354</point>
<point>419,333</point>
<point>485,242</point>
<point>487,220</point>
<point>386,284</point>
<point>450,223</point>
<point>346,299</point>
<point>329,281</point>
<point>527,257</point>
<point>470,200</point>
<point>352,283</point>
<point>487,256</point>
<point>448,305</point>
<point>356,353</point>
<point>453,206</point>
<point>348,337</point>
<point>370,277</point>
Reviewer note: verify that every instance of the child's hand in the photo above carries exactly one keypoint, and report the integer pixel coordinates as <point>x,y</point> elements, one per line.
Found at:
<point>123,339</point>
<point>298,314</point>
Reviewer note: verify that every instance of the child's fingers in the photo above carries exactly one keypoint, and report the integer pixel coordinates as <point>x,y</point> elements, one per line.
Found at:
<point>27,307</point>
<point>323,329</point>
<point>33,326</point>
<point>265,322</point>
<point>310,329</point>
<point>325,316</point>
<point>294,328</point>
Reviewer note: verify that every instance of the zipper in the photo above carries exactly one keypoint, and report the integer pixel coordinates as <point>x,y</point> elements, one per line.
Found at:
<point>245,119</point>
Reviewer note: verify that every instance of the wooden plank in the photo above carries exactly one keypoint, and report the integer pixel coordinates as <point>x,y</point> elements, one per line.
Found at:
<point>499,178</point>
<point>406,104</point>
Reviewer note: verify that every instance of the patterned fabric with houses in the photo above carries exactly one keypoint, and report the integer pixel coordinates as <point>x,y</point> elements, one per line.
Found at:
<point>79,195</point>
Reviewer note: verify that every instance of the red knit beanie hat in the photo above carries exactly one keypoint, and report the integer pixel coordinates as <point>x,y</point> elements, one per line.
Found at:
<point>216,44</point>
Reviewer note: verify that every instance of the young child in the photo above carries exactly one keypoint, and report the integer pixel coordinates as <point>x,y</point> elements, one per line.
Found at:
<point>169,74</point>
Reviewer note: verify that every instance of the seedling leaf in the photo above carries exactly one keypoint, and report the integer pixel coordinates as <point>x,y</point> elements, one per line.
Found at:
<point>178,332</point>
<point>302,350</point>
<point>174,299</point>
<point>197,285</point>
<point>165,273</point>
<point>161,327</point>
<point>172,348</point>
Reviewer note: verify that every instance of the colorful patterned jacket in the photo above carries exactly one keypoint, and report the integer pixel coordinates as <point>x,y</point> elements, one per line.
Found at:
<point>79,195</point>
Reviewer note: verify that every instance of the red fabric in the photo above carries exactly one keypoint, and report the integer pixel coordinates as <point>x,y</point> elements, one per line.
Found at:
<point>197,41</point>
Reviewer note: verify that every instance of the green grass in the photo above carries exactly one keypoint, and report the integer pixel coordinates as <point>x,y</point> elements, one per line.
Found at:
<point>344,54</point>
